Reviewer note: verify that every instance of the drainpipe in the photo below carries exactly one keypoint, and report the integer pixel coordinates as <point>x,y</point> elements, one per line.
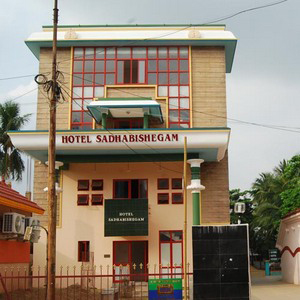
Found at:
<point>196,187</point>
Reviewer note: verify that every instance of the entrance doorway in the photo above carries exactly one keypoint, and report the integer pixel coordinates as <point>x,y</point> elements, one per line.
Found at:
<point>130,257</point>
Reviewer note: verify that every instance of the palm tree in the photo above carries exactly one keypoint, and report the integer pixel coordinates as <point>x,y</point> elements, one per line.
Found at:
<point>11,163</point>
<point>266,192</point>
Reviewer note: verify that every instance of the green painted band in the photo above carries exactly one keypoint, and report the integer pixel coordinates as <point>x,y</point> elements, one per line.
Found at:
<point>195,171</point>
<point>196,208</point>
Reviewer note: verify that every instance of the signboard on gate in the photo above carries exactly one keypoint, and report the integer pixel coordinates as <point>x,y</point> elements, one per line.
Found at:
<point>165,289</point>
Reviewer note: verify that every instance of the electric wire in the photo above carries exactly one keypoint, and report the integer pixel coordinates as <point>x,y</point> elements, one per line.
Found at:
<point>126,44</point>
<point>247,10</point>
<point>278,127</point>
<point>175,31</point>
<point>17,77</point>
<point>24,94</point>
<point>131,149</point>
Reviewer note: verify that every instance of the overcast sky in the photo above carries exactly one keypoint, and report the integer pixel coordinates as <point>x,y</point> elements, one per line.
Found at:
<point>263,87</point>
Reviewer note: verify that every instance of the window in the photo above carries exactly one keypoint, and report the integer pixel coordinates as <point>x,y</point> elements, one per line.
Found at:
<point>97,199</point>
<point>83,185</point>
<point>84,251</point>
<point>82,199</point>
<point>163,183</point>
<point>162,198</point>
<point>171,259</point>
<point>97,185</point>
<point>130,188</point>
<point>125,123</point>
<point>131,71</point>
<point>177,198</point>
<point>176,183</point>
<point>166,67</point>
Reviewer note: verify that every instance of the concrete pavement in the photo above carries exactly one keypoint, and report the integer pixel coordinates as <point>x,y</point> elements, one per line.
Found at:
<point>272,287</point>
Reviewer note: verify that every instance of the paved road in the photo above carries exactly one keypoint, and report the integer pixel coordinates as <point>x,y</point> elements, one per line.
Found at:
<point>272,288</point>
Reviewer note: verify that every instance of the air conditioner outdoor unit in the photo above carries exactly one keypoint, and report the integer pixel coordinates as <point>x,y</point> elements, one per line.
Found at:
<point>30,222</point>
<point>13,223</point>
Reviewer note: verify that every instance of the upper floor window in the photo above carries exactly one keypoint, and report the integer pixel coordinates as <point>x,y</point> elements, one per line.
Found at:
<point>96,67</point>
<point>125,123</point>
<point>130,188</point>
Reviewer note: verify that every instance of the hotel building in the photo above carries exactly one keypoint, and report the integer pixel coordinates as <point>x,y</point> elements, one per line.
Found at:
<point>131,94</point>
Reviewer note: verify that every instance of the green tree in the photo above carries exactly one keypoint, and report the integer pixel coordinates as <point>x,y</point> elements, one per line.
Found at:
<point>291,195</point>
<point>266,193</point>
<point>266,196</point>
<point>11,163</point>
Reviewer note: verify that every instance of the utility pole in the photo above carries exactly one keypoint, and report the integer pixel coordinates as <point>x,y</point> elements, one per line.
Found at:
<point>52,201</point>
<point>185,217</point>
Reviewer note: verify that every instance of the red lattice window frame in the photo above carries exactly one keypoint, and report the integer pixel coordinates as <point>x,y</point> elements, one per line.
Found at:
<point>95,67</point>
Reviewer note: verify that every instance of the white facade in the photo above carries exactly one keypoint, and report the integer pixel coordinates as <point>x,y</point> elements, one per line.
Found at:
<point>288,243</point>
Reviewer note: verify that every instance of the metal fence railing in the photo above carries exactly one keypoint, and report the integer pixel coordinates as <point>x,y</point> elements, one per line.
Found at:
<point>76,283</point>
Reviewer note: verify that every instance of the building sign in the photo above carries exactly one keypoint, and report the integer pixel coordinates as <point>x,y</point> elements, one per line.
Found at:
<point>126,217</point>
<point>119,138</point>
<point>165,288</point>
<point>274,255</point>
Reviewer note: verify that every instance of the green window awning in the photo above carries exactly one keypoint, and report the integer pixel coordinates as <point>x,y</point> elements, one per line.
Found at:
<point>125,108</point>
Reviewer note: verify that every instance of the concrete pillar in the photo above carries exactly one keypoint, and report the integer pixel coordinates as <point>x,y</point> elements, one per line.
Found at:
<point>104,120</point>
<point>196,187</point>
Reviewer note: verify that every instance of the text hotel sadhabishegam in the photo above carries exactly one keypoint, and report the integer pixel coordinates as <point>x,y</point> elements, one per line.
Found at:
<point>126,217</point>
<point>118,138</point>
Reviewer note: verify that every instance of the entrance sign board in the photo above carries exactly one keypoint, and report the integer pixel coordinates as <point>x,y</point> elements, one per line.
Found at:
<point>165,288</point>
<point>126,217</point>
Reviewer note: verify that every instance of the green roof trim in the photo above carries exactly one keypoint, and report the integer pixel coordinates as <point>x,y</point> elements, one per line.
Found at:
<point>230,45</point>
<point>116,130</point>
<point>135,25</point>
<point>124,98</point>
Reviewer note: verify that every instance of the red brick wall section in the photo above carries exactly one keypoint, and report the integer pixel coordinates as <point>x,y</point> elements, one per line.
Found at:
<point>14,252</point>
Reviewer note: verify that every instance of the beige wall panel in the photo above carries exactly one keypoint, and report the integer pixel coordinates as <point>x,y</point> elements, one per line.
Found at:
<point>215,197</point>
<point>39,196</point>
<point>64,63</point>
<point>208,86</point>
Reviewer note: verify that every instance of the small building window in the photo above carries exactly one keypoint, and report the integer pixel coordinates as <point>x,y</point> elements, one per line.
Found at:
<point>177,198</point>
<point>176,183</point>
<point>82,199</point>
<point>84,251</point>
<point>83,185</point>
<point>163,198</point>
<point>97,185</point>
<point>163,183</point>
<point>97,199</point>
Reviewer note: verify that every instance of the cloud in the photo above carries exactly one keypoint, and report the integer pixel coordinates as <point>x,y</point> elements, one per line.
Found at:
<point>21,90</point>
